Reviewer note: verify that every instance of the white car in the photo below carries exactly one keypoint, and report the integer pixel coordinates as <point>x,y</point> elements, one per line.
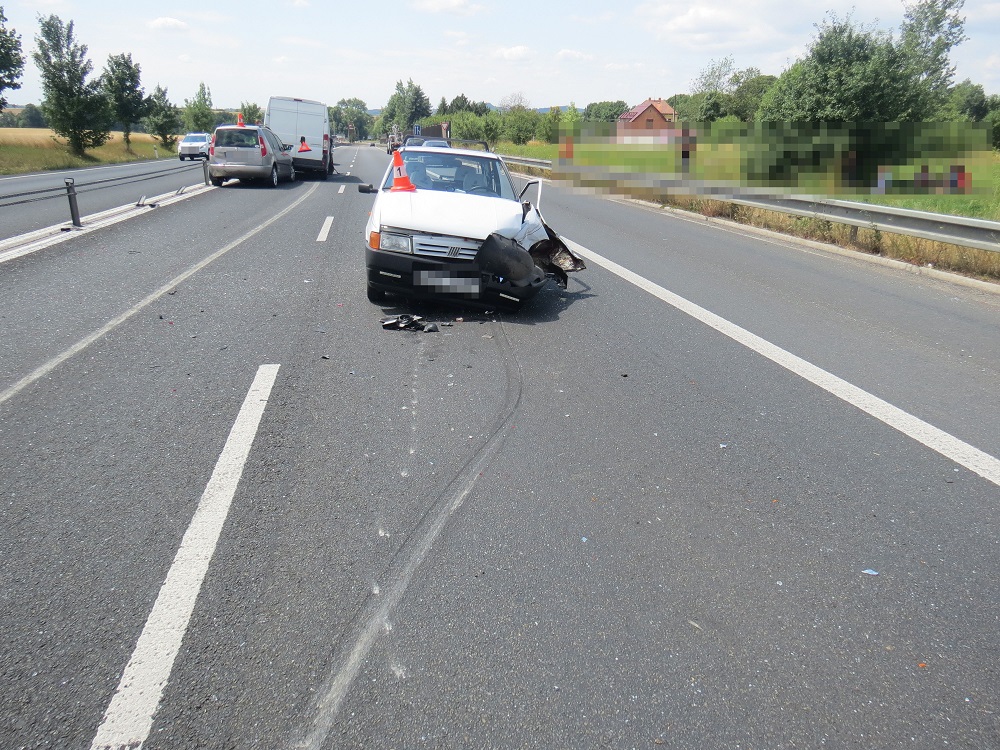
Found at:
<point>194,146</point>
<point>447,223</point>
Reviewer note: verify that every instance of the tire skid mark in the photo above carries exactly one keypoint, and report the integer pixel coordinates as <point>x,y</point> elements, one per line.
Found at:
<point>373,618</point>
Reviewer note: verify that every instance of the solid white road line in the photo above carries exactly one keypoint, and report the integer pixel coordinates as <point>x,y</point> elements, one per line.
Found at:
<point>83,343</point>
<point>947,445</point>
<point>324,231</point>
<point>129,717</point>
<point>341,189</point>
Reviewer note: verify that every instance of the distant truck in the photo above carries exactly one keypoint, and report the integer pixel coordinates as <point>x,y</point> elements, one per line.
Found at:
<point>304,123</point>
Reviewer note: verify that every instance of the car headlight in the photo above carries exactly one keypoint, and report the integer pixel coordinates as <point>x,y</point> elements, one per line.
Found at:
<point>395,243</point>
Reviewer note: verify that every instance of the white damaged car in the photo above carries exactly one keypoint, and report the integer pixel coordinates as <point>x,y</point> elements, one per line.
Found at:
<point>447,223</point>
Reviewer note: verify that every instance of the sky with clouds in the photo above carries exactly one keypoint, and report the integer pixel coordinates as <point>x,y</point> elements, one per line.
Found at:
<point>552,53</point>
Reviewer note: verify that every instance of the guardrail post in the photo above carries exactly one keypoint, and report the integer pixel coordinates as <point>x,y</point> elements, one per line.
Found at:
<point>204,168</point>
<point>74,209</point>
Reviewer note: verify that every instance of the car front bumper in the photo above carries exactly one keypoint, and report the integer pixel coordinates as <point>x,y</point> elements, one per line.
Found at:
<point>459,281</point>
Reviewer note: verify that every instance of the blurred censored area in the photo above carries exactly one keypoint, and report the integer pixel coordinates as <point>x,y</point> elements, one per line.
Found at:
<point>782,158</point>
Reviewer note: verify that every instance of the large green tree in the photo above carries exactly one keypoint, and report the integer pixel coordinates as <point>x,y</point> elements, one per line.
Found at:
<point>930,29</point>
<point>354,112</point>
<point>520,124</point>
<point>407,105</point>
<point>749,93</point>
<point>604,111</point>
<point>198,114</point>
<point>31,117</point>
<point>11,59</point>
<point>163,118</point>
<point>252,112</point>
<point>128,100</point>
<point>76,109</point>
<point>850,73</point>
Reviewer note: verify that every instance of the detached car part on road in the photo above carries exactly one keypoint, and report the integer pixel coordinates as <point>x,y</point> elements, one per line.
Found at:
<point>249,152</point>
<point>448,224</point>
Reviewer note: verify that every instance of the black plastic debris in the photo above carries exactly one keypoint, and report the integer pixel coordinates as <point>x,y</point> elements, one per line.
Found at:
<point>505,259</point>
<point>555,259</point>
<point>408,323</point>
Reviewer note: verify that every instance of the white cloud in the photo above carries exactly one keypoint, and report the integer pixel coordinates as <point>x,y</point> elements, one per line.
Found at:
<point>281,60</point>
<point>299,3</point>
<point>572,54</point>
<point>464,7</point>
<point>460,38</point>
<point>519,52</point>
<point>165,22</point>
<point>185,58</point>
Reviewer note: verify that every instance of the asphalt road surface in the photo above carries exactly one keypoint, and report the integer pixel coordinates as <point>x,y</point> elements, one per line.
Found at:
<point>726,490</point>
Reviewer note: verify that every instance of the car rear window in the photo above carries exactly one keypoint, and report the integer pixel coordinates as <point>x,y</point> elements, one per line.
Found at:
<point>236,138</point>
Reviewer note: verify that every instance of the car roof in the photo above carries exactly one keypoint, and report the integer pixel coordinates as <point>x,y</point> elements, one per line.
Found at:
<point>449,151</point>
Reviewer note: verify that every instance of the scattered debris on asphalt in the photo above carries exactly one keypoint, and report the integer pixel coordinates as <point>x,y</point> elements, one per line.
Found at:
<point>870,572</point>
<point>408,323</point>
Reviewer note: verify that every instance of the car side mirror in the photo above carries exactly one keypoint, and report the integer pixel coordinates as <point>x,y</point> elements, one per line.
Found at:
<point>525,190</point>
<point>366,189</point>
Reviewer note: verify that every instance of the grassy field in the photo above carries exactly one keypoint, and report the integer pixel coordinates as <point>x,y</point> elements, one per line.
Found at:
<point>38,149</point>
<point>984,205</point>
<point>981,264</point>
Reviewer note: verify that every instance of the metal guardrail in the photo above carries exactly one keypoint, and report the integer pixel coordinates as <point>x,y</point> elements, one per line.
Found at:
<point>953,230</point>
<point>71,189</point>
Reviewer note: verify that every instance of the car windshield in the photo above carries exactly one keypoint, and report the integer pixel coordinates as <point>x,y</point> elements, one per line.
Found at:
<point>456,173</point>
<point>195,138</point>
<point>236,137</point>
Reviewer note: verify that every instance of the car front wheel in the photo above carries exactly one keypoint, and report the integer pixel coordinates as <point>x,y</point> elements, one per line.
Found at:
<point>274,176</point>
<point>291,173</point>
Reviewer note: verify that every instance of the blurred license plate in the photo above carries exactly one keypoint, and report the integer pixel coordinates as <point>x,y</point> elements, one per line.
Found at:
<point>447,282</point>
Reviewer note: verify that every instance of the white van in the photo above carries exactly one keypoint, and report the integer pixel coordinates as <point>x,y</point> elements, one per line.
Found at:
<point>305,124</point>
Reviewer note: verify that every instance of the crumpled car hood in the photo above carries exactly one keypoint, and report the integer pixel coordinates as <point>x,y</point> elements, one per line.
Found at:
<point>458,214</point>
<point>478,217</point>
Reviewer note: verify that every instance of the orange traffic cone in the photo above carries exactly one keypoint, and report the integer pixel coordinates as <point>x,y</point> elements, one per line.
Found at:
<point>400,181</point>
<point>303,146</point>
<point>239,120</point>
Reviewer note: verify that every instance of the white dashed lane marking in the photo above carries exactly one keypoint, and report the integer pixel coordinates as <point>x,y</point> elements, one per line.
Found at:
<point>324,232</point>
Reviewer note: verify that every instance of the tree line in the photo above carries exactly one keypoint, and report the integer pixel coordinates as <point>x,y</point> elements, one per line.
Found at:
<point>853,73</point>
<point>83,109</point>
<point>513,120</point>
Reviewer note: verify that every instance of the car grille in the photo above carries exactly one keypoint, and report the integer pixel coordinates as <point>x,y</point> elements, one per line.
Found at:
<point>442,246</point>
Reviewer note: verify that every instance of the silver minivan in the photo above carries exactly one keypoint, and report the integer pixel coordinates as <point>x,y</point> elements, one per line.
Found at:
<point>249,152</point>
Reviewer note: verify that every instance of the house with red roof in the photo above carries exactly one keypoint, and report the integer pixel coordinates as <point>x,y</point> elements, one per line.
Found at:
<point>647,118</point>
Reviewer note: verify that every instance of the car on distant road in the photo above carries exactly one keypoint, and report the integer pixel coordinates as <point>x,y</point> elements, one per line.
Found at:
<point>194,146</point>
<point>448,224</point>
<point>249,152</point>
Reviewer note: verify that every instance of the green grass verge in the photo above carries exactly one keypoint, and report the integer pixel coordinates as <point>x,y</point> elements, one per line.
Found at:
<point>25,150</point>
